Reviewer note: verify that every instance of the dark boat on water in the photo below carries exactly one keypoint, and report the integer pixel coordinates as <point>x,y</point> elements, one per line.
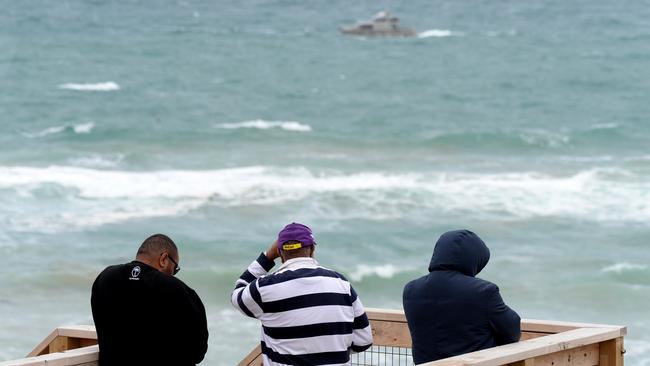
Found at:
<point>382,25</point>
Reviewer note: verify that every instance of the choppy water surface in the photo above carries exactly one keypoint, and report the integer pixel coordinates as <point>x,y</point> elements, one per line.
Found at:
<point>218,123</point>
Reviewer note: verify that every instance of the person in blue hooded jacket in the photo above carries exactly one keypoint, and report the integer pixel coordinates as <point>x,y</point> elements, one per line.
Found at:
<point>450,311</point>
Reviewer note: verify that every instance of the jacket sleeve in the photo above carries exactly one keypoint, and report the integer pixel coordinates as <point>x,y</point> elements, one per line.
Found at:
<point>246,296</point>
<point>361,331</point>
<point>504,322</point>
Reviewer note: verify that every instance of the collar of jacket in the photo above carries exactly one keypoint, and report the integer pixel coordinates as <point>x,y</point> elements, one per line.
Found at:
<point>296,263</point>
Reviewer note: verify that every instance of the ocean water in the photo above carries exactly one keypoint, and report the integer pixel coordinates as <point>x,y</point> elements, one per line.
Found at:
<point>219,122</point>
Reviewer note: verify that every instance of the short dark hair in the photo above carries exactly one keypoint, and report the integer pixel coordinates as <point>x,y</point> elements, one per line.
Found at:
<point>156,244</point>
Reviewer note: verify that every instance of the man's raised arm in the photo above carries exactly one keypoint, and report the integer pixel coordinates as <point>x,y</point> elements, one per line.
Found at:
<point>246,297</point>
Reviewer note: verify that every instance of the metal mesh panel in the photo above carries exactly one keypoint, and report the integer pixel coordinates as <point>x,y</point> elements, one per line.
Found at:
<point>383,356</point>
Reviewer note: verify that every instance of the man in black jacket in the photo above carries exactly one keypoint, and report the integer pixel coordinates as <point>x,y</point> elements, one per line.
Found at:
<point>450,311</point>
<point>146,316</point>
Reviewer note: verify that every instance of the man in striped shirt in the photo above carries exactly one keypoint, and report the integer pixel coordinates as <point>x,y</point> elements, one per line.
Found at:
<point>310,315</point>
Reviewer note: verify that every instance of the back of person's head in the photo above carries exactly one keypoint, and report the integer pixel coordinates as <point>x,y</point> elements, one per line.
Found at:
<point>460,250</point>
<point>295,241</point>
<point>159,251</point>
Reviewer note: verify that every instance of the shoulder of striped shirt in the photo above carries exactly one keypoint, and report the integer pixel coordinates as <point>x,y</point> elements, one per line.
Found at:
<point>326,272</point>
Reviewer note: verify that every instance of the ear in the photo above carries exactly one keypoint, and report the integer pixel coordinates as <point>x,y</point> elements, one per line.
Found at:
<point>311,251</point>
<point>163,259</point>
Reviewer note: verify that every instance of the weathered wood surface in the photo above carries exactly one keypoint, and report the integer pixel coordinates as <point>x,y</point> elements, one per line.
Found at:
<point>65,338</point>
<point>611,352</point>
<point>532,348</point>
<point>254,358</point>
<point>86,356</point>
<point>543,343</point>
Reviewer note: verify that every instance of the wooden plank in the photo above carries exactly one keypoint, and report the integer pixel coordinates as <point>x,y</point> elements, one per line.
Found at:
<point>581,356</point>
<point>81,356</point>
<point>386,333</point>
<point>58,344</point>
<point>531,348</point>
<point>611,352</point>
<point>78,331</point>
<point>548,326</point>
<point>86,342</point>
<point>532,335</point>
<point>30,361</point>
<point>73,343</point>
<point>527,362</point>
<point>77,356</point>
<point>386,315</point>
<point>252,357</point>
<point>527,325</point>
<point>258,361</point>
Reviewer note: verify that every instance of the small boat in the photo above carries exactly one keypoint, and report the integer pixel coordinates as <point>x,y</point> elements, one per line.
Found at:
<point>382,25</point>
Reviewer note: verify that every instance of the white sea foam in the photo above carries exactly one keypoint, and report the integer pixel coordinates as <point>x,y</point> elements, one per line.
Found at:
<point>97,161</point>
<point>105,86</point>
<point>544,138</point>
<point>381,271</point>
<point>96,197</point>
<point>587,159</point>
<point>605,126</point>
<point>438,33</point>
<point>619,268</point>
<point>642,158</point>
<point>82,128</point>
<point>46,132</point>
<point>265,125</point>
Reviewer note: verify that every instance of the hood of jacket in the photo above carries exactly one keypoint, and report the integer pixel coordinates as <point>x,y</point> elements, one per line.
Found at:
<point>461,251</point>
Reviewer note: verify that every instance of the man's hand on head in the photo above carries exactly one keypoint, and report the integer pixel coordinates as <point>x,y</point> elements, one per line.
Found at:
<point>272,253</point>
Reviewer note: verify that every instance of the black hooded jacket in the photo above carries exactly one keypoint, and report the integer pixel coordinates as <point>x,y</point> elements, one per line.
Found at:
<point>451,312</point>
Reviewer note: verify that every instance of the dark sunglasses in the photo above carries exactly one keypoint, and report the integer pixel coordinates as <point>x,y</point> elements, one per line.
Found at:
<point>176,267</point>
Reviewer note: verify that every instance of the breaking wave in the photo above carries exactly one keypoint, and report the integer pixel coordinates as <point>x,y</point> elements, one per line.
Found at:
<point>105,86</point>
<point>619,268</point>
<point>605,126</point>
<point>98,161</point>
<point>381,271</point>
<point>265,125</point>
<point>91,197</point>
<point>82,128</point>
<point>504,140</point>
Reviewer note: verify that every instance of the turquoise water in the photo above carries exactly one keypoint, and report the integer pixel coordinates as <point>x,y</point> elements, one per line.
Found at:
<point>217,123</point>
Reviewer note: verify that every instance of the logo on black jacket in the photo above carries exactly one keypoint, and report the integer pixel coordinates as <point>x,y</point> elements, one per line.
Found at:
<point>135,272</point>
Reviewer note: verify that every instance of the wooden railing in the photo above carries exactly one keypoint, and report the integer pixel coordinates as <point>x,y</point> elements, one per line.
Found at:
<point>65,346</point>
<point>543,343</point>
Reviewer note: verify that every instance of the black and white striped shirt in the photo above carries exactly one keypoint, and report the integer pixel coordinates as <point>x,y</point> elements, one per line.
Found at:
<point>310,315</point>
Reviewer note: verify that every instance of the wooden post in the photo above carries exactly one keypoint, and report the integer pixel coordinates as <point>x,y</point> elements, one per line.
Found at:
<point>611,352</point>
<point>58,344</point>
